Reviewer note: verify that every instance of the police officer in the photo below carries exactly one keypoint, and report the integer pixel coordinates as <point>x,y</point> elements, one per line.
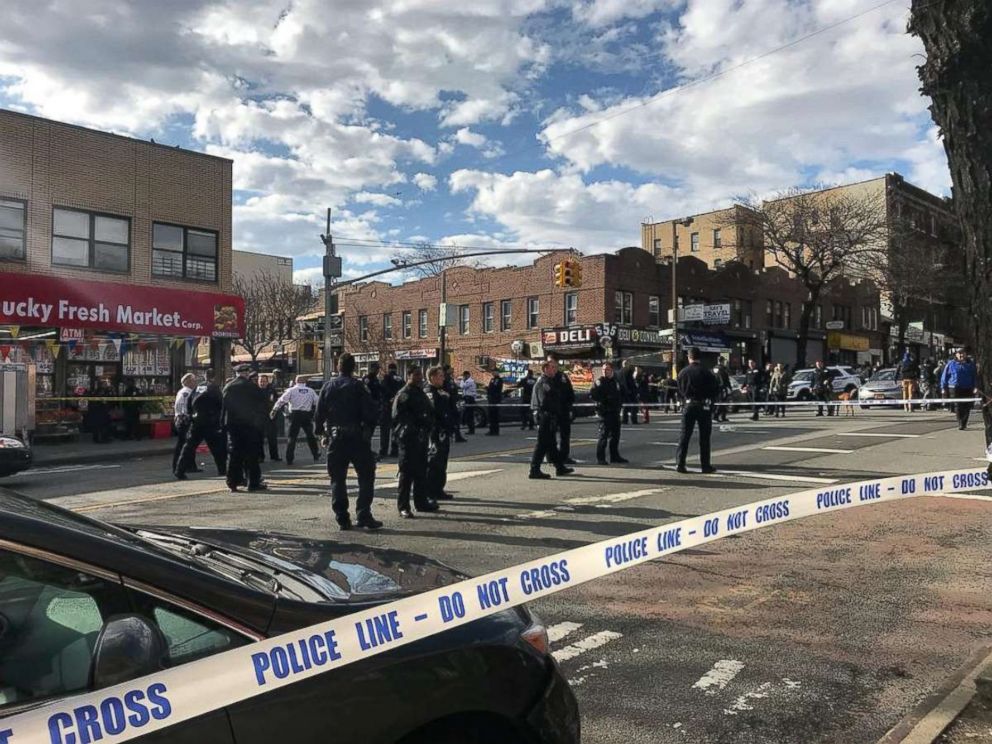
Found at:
<point>413,420</point>
<point>243,416</point>
<point>452,389</point>
<point>723,377</point>
<point>754,381</point>
<point>567,397</point>
<point>439,441</point>
<point>182,418</point>
<point>628,386</point>
<point>698,388</point>
<point>526,386</point>
<point>608,397</point>
<point>346,416</point>
<point>302,402</point>
<point>469,391</point>
<point>392,383</point>
<point>546,406</point>
<point>371,380</point>
<point>821,383</point>
<point>494,397</point>
<point>206,405</point>
<point>269,427</point>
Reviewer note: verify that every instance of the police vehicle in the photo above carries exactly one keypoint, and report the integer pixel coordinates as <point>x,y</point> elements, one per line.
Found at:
<point>85,604</point>
<point>844,381</point>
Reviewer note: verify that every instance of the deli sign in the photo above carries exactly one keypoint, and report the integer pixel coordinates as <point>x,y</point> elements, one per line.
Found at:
<point>31,300</point>
<point>570,338</point>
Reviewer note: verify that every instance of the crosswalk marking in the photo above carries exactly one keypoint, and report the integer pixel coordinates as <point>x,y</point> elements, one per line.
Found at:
<point>877,435</point>
<point>612,498</point>
<point>811,449</point>
<point>719,676</point>
<point>596,640</point>
<point>559,630</point>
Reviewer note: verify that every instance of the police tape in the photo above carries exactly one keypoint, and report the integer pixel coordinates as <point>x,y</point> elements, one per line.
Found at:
<point>124,711</point>
<point>748,403</point>
<point>109,398</point>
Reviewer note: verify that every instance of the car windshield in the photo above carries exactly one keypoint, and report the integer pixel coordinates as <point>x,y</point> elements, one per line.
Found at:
<point>802,376</point>
<point>883,375</point>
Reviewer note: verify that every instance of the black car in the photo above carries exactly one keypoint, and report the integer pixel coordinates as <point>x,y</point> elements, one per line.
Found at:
<point>78,596</point>
<point>15,455</point>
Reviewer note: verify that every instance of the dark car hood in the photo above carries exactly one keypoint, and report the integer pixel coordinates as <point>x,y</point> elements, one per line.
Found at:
<point>344,572</point>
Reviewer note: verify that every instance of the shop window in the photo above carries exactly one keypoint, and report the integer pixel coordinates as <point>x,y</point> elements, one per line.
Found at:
<point>488,316</point>
<point>184,252</point>
<point>363,328</point>
<point>407,324</point>
<point>533,312</point>
<point>387,327</point>
<point>90,241</point>
<point>463,319</point>
<point>505,315</point>
<point>654,311</point>
<point>13,228</point>
<point>422,323</point>
<point>624,307</point>
<point>571,308</point>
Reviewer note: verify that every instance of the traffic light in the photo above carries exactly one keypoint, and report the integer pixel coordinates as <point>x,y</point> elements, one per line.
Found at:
<point>576,274</point>
<point>559,275</point>
<point>566,273</point>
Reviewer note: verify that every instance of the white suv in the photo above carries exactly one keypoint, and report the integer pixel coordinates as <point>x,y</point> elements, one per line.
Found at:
<point>845,381</point>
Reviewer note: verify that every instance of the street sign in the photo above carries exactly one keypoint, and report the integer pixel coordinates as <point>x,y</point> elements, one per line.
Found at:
<point>717,314</point>
<point>442,318</point>
<point>835,325</point>
<point>691,313</point>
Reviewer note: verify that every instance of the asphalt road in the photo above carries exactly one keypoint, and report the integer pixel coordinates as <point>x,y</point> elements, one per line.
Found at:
<point>829,629</point>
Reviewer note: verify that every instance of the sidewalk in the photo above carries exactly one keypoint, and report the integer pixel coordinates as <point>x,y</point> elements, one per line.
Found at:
<point>83,450</point>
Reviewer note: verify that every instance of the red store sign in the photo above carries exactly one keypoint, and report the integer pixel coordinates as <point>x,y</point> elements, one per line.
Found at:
<point>32,300</point>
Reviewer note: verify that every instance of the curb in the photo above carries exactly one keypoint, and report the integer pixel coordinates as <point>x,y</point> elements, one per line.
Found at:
<point>82,458</point>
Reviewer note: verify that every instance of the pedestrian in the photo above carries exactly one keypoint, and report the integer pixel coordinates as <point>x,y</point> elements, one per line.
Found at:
<point>754,383</point>
<point>822,387</point>
<point>546,405</point>
<point>243,417</point>
<point>205,405</point>
<point>908,372</point>
<point>181,418</point>
<point>609,401</point>
<point>928,381</point>
<point>766,395</point>
<point>269,423</point>
<point>439,439</point>
<point>628,386</point>
<point>452,389</point>
<point>302,403</point>
<point>960,380</point>
<point>776,390</point>
<point>392,383</point>
<point>494,397</point>
<point>413,420</point>
<point>468,390</point>
<point>526,386</point>
<point>698,388</point>
<point>132,410</point>
<point>723,377</point>
<point>371,380</point>
<point>100,422</point>
<point>563,438</point>
<point>644,392</point>
<point>346,417</point>
<point>671,394</point>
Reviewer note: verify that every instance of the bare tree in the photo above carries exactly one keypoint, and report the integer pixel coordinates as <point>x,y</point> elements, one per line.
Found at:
<point>955,35</point>
<point>440,257</point>
<point>818,236</point>
<point>272,307</point>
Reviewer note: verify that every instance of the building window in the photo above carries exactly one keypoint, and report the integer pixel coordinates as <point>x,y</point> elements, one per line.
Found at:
<point>818,316</point>
<point>717,239</point>
<point>488,313</point>
<point>694,242</point>
<point>571,308</point>
<point>90,241</point>
<point>657,246</point>
<point>654,311</point>
<point>624,308</point>
<point>787,317</point>
<point>533,312</point>
<point>422,323</point>
<point>407,324</point>
<point>869,317</point>
<point>184,252</point>
<point>363,328</point>
<point>933,225</point>
<point>842,312</point>
<point>387,327</point>
<point>13,228</point>
<point>505,315</point>
<point>778,314</point>
<point>769,315</point>
<point>463,318</point>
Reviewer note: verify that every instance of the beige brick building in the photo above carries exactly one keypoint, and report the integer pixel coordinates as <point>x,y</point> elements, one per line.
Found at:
<point>716,238</point>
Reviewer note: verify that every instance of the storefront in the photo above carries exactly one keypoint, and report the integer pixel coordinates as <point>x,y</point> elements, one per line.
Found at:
<point>848,348</point>
<point>712,345</point>
<point>407,359</point>
<point>84,337</point>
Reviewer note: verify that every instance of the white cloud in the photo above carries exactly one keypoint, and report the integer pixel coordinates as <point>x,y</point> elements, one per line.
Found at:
<point>599,13</point>
<point>425,181</point>
<point>379,200</point>
<point>488,148</point>
<point>313,275</point>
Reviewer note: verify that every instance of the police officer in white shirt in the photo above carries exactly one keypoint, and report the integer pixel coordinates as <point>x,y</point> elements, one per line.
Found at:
<point>302,402</point>
<point>468,399</point>
<point>183,415</point>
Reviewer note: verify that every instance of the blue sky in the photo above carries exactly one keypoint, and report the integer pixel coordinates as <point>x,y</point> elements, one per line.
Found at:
<point>502,123</point>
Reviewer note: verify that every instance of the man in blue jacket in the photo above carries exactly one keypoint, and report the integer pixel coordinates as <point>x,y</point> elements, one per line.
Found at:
<point>960,380</point>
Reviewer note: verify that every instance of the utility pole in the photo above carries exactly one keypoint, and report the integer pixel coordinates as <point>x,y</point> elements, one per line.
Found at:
<point>332,272</point>
<point>443,318</point>
<point>675,293</point>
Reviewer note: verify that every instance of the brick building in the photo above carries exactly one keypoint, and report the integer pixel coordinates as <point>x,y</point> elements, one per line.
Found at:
<point>506,317</point>
<point>115,258</point>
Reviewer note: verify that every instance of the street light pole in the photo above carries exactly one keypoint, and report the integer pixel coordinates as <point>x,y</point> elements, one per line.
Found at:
<point>443,326</point>
<point>332,272</point>
<point>675,293</point>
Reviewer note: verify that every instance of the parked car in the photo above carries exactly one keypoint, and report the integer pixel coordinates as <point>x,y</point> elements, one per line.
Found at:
<point>882,385</point>
<point>15,455</point>
<point>84,604</point>
<point>845,381</point>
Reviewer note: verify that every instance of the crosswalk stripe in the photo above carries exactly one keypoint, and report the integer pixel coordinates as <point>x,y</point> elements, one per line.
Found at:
<point>810,449</point>
<point>559,630</point>
<point>596,640</point>
<point>719,676</point>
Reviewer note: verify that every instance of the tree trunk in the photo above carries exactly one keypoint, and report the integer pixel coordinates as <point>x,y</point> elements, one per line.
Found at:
<point>802,339</point>
<point>956,76</point>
